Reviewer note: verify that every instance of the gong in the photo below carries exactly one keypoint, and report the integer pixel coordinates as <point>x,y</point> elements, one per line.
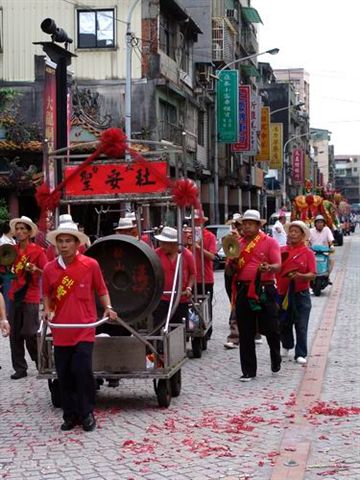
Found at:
<point>132,273</point>
<point>7,254</point>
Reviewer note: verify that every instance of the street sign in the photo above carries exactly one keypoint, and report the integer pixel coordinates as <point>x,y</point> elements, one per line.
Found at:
<point>227,103</point>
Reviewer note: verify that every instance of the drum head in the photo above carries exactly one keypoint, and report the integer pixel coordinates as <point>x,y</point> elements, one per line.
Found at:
<point>133,275</point>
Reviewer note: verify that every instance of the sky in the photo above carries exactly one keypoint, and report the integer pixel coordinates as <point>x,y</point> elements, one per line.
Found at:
<point>323,37</point>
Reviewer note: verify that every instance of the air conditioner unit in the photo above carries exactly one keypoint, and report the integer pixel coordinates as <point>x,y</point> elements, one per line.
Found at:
<point>232,13</point>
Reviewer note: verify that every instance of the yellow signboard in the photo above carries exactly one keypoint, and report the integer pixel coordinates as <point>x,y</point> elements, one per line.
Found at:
<point>276,146</point>
<point>264,154</point>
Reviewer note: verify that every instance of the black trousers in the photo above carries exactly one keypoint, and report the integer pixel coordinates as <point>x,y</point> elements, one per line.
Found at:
<point>267,320</point>
<point>209,288</point>
<point>76,381</point>
<point>24,323</point>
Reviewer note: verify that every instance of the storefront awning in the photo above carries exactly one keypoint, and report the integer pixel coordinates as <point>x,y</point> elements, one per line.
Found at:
<point>251,15</point>
<point>250,70</point>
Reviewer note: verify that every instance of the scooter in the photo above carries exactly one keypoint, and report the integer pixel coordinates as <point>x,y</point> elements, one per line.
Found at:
<point>321,280</point>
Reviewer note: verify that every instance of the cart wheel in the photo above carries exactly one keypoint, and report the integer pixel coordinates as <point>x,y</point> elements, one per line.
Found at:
<point>163,392</point>
<point>175,383</point>
<point>204,342</point>
<point>55,393</point>
<point>196,345</point>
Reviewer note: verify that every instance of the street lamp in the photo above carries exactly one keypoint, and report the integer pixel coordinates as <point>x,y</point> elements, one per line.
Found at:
<point>128,40</point>
<point>294,137</point>
<point>295,107</point>
<point>272,51</point>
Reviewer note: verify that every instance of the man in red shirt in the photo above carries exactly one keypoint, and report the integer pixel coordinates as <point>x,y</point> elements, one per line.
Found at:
<point>168,253</point>
<point>69,285</point>
<point>297,270</point>
<point>24,295</point>
<point>255,300</point>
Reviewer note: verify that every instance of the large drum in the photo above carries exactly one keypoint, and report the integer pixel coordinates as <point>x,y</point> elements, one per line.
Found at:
<point>133,275</point>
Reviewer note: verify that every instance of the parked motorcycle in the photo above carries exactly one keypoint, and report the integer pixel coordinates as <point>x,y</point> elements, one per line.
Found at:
<point>321,280</point>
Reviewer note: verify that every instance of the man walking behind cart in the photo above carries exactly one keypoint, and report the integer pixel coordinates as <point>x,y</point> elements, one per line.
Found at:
<point>168,253</point>
<point>69,285</point>
<point>254,281</point>
<point>24,295</point>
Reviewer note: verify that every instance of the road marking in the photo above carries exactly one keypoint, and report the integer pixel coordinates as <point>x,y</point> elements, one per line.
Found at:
<point>296,443</point>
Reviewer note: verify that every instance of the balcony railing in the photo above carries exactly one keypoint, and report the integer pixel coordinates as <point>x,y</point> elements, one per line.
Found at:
<point>223,40</point>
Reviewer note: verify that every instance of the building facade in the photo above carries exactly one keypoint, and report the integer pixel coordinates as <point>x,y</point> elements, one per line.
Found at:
<point>347,177</point>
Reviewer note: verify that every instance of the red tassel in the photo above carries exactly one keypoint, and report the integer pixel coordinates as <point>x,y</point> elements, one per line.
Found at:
<point>185,193</point>
<point>309,199</point>
<point>113,143</point>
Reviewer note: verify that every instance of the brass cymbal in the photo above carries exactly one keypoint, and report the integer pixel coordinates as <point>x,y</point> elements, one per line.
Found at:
<point>231,246</point>
<point>7,254</point>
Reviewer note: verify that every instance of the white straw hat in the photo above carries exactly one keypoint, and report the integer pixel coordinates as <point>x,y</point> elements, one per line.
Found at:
<point>252,215</point>
<point>168,234</point>
<point>66,227</point>
<point>26,221</point>
<point>299,224</point>
<point>124,224</point>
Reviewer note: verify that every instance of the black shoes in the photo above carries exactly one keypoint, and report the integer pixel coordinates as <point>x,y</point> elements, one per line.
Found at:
<point>89,423</point>
<point>69,424</point>
<point>275,367</point>
<point>17,375</point>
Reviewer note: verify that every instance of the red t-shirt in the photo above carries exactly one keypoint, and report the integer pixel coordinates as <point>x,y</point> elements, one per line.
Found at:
<point>301,259</point>
<point>209,241</point>
<point>168,266</point>
<point>267,250</point>
<point>79,306</point>
<point>32,254</point>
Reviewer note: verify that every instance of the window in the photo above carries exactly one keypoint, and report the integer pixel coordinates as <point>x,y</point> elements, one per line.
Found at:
<point>96,28</point>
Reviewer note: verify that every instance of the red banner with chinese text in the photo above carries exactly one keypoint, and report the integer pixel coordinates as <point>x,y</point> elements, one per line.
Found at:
<point>243,145</point>
<point>298,167</point>
<point>116,179</point>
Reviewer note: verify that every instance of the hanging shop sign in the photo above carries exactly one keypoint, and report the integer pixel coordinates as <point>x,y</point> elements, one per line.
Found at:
<point>227,104</point>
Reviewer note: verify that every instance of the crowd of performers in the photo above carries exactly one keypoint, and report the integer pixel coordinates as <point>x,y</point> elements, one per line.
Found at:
<point>268,286</point>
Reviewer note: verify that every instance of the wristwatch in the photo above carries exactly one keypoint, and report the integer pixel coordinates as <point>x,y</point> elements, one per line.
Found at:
<point>109,307</point>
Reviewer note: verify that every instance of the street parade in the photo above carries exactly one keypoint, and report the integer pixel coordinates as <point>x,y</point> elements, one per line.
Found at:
<point>179,252</point>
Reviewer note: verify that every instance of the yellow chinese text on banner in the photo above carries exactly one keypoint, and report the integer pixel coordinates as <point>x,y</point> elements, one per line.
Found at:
<point>276,146</point>
<point>264,154</point>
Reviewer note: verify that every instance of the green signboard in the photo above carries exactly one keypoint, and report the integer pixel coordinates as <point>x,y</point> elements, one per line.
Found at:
<point>227,103</point>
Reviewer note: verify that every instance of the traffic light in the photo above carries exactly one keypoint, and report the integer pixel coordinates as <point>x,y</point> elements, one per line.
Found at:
<point>57,34</point>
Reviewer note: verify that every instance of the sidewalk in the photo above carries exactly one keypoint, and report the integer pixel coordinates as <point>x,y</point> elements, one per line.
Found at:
<point>218,428</point>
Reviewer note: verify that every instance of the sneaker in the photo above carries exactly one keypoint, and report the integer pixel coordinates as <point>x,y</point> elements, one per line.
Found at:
<point>230,345</point>
<point>246,378</point>
<point>89,423</point>
<point>301,360</point>
<point>258,339</point>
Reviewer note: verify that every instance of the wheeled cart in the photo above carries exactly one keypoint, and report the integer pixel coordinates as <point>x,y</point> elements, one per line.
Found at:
<point>159,358</point>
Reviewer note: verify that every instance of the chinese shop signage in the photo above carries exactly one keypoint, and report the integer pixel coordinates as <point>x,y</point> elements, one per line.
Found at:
<point>227,103</point>
<point>264,154</point>
<point>276,146</point>
<point>116,179</point>
<point>243,144</point>
<point>297,164</point>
